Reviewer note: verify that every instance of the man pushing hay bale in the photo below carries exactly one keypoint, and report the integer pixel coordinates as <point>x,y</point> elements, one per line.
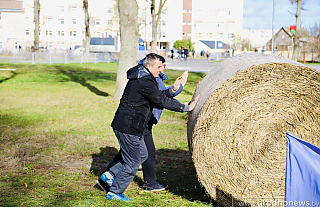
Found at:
<point>237,132</point>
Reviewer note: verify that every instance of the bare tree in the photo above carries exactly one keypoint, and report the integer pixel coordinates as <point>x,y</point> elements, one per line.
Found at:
<point>36,24</point>
<point>156,17</point>
<point>87,27</point>
<point>315,39</point>
<point>298,26</point>
<point>129,36</point>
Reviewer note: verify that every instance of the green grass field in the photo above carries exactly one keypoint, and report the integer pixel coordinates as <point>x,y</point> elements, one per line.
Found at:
<point>56,139</point>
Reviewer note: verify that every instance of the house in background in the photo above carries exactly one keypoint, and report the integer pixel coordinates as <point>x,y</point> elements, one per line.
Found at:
<point>283,40</point>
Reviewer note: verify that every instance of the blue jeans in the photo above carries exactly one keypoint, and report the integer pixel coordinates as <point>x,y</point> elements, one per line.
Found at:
<point>134,152</point>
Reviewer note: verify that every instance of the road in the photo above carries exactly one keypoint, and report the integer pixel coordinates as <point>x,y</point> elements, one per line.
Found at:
<point>192,65</point>
<point>316,67</point>
<point>202,65</point>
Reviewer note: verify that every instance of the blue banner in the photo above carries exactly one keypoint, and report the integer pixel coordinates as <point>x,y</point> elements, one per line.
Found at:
<point>302,173</point>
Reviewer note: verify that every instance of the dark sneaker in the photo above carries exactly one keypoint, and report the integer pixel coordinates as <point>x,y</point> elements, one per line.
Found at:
<point>103,185</point>
<point>119,197</point>
<point>154,188</point>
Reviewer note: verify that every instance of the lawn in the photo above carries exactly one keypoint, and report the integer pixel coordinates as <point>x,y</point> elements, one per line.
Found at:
<point>56,139</point>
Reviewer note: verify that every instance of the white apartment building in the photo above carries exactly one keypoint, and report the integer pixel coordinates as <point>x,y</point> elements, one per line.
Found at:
<point>257,37</point>
<point>62,23</point>
<point>217,22</point>
<point>11,22</point>
<point>169,28</point>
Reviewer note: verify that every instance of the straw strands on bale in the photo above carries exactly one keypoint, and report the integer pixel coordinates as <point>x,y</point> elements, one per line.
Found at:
<point>237,131</point>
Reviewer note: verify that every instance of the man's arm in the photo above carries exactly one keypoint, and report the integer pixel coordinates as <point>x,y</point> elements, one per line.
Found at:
<point>159,98</point>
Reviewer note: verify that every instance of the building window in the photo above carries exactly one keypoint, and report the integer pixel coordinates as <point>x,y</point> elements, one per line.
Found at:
<point>184,34</point>
<point>229,12</point>
<point>27,32</point>
<point>61,8</point>
<point>184,23</point>
<point>209,35</point>
<point>189,11</point>
<point>109,10</point>
<point>163,35</point>
<point>189,34</point>
<point>49,32</point>
<point>61,33</point>
<point>109,22</point>
<point>1,45</point>
<point>230,35</point>
<point>61,45</point>
<point>232,24</point>
<point>48,20</point>
<point>200,35</point>
<point>220,35</point>
<point>220,24</point>
<point>73,8</point>
<point>49,45</point>
<point>163,23</point>
<point>189,23</point>
<point>73,33</point>
<point>220,12</point>
<point>61,21</point>
<point>184,11</point>
<point>74,21</point>
<point>97,22</point>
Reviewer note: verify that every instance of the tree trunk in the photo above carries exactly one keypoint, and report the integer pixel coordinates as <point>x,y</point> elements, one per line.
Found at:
<point>36,24</point>
<point>296,36</point>
<point>129,36</point>
<point>87,27</point>
<point>156,17</point>
<point>154,27</point>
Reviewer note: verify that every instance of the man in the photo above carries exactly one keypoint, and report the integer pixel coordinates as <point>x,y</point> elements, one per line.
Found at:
<point>148,167</point>
<point>186,53</point>
<point>141,94</point>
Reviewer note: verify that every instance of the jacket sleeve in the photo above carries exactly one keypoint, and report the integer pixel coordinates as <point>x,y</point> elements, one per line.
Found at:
<point>178,91</point>
<point>149,91</point>
<point>163,87</point>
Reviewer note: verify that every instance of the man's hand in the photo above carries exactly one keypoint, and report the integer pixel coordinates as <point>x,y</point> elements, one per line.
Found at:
<point>193,104</point>
<point>180,80</point>
<point>184,77</point>
<point>176,85</point>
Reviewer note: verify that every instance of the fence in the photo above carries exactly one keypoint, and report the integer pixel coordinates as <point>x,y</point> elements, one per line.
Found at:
<point>66,58</point>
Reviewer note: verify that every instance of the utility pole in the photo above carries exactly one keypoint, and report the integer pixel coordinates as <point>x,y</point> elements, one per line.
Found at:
<point>272,44</point>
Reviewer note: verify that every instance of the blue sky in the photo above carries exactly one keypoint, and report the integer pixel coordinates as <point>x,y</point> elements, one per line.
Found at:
<point>257,14</point>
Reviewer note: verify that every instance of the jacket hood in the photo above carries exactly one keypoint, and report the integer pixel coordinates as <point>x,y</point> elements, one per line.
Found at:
<point>137,72</point>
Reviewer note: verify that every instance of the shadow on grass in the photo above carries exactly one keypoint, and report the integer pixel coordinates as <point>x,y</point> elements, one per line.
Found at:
<point>13,74</point>
<point>173,167</point>
<point>75,77</point>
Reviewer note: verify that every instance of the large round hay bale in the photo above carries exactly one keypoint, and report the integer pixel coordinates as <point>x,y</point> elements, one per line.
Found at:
<point>237,132</point>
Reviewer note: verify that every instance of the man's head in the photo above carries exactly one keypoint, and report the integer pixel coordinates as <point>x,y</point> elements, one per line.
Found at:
<point>154,63</point>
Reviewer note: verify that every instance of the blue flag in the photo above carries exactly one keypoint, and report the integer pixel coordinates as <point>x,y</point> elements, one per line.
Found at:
<point>302,173</point>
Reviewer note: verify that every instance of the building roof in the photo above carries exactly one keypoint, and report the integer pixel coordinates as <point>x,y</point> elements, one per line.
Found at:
<point>212,44</point>
<point>11,6</point>
<point>102,41</point>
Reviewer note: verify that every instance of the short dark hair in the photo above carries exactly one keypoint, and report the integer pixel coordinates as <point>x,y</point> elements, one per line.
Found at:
<point>151,58</point>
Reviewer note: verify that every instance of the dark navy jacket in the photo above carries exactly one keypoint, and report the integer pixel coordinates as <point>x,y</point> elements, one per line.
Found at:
<point>140,96</point>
